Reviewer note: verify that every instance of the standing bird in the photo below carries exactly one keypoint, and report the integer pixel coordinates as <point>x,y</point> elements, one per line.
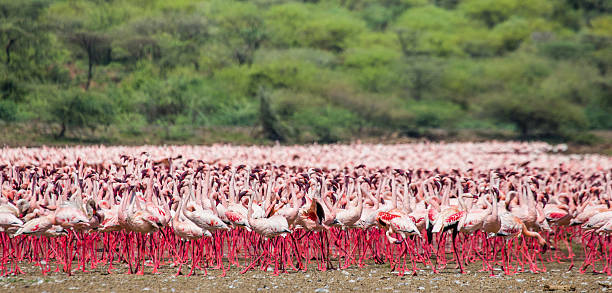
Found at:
<point>511,228</point>
<point>448,219</point>
<point>205,219</point>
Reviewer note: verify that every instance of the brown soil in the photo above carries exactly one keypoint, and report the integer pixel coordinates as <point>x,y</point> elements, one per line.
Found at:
<point>370,278</point>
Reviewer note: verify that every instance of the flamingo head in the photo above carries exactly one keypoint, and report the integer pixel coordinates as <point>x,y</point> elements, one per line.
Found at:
<point>154,221</point>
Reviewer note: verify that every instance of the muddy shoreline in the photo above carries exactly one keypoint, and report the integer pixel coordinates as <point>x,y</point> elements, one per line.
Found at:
<point>370,278</point>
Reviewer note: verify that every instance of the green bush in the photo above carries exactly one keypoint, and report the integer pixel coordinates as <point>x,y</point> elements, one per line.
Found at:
<point>131,124</point>
<point>434,114</point>
<point>432,30</point>
<point>75,109</point>
<point>564,50</point>
<point>538,115</point>
<point>303,71</point>
<point>326,124</point>
<point>305,25</point>
<point>599,108</point>
<point>288,73</point>
<point>492,12</point>
<point>8,110</point>
<point>377,16</point>
<point>512,33</point>
<point>378,56</point>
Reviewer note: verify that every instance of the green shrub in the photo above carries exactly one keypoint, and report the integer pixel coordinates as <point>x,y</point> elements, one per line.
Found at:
<point>377,16</point>
<point>512,33</point>
<point>538,115</point>
<point>74,109</point>
<point>323,69</point>
<point>131,124</point>
<point>599,109</point>
<point>564,50</point>
<point>304,25</point>
<point>325,124</point>
<point>434,114</point>
<point>8,110</point>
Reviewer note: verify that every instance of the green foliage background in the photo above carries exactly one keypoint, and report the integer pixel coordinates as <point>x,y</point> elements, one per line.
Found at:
<point>305,71</point>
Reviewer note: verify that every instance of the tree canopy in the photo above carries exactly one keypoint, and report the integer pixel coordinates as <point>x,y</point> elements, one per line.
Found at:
<point>308,71</point>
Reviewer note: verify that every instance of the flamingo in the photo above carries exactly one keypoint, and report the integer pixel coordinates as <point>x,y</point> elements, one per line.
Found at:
<point>267,228</point>
<point>187,230</point>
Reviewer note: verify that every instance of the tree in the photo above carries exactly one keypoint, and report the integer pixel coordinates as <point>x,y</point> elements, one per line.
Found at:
<point>139,47</point>
<point>78,109</point>
<point>591,8</point>
<point>293,24</point>
<point>12,35</point>
<point>19,23</point>
<point>408,39</point>
<point>174,38</point>
<point>268,119</point>
<point>492,12</point>
<point>241,29</point>
<point>538,114</point>
<point>420,74</point>
<point>432,30</point>
<point>259,86</point>
<point>96,46</point>
<point>27,46</point>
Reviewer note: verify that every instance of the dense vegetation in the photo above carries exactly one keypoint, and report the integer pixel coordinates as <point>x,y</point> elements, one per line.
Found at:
<point>304,71</point>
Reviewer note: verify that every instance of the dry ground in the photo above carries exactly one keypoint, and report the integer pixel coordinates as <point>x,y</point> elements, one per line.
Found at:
<point>368,279</point>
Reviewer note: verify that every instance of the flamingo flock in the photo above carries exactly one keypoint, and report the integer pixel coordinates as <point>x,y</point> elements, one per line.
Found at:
<point>510,206</point>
